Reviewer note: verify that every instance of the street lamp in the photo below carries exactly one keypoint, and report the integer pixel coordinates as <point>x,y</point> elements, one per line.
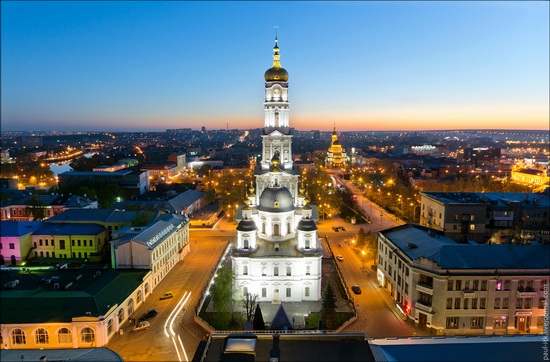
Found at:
<point>363,258</point>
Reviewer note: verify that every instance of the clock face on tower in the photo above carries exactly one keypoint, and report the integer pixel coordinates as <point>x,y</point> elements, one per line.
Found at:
<point>276,91</point>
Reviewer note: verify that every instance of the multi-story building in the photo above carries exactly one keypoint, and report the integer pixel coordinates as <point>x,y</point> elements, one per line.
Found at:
<point>21,208</point>
<point>277,253</point>
<point>488,217</point>
<point>480,156</point>
<point>457,288</point>
<point>157,247</point>
<point>16,241</point>
<point>69,241</point>
<point>179,159</point>
<point>163,170</point>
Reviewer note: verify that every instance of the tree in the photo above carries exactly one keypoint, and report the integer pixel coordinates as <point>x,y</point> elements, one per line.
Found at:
<point>142,218</point>
<point>259,324</point>
<point>361,237</point>
<point>372,245</point>
<point>221,292</point>
<point>249,304</point>
<point>35,208</point>
<point>328,308</point>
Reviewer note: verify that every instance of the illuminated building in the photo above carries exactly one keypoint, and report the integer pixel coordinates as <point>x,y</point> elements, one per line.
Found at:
<point>277,253</point>
<point>336,155</point>
<point>456,288</point>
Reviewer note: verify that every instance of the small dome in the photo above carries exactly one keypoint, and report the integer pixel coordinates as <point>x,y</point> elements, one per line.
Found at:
<point>276,74</point>
<point>336,143</point>
<point>246,225</point>
<point>276,199</point>
<point>306,225</point>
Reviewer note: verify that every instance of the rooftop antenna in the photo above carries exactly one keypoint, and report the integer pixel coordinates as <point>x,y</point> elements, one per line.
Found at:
<point>276,27</point>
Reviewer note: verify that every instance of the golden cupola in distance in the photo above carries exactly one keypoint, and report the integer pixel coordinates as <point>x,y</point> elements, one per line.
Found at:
<point>276,73</point>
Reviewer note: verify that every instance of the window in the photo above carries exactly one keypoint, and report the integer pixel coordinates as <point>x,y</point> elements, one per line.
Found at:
<point>519,303</point>
<point>40,242</point>
<point>245,291</point>
<point>288,271</point>
<point>476,322</point>
<point>139,296</point>
<point>46,241</point>
<point>497,303</point>
<point>505,303</point>
<point>84,241</point>
<point>53,242</point>
<point>474,303</point>
<point>276,271</point>
<point>307,292</point>
<point>528,303</point>
<point>62,244</point>
<point>457,303</point>
<point>449,285</point>
<point>458,285</point>
<point>308,270</point>
<point>263,272</point>
<point>472,227</point>
<point>467,285</point>
<point>87,335</point>
<point>42,336</point>
<point>507,285</point>
<point>18,336</point>
<point>12,246</point>
<point>449,303</point>
<point>120,315</point>
<point>308,244</point>
<point>64,336</point>
<point>288,292</point>
<point>245,270</point>
<point>466,302</point>
<point>483,285</point>
<point>78,242</point>
<point>456,217</point>
<point>530,286</point>
<point>498,285</point>
<point>475,285</point>
<point>543,284</point>
<point>541,303</point>
<point>246,244</point>
<point>110,326</point>
<point>500,322</point>
<point>92,242</point>
<point>452,322</point>
<point>482,303</point>
<point>472,218</point>
<point>264,292</point>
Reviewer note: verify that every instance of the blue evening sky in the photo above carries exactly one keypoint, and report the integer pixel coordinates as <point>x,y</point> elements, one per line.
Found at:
<point>130,66</point>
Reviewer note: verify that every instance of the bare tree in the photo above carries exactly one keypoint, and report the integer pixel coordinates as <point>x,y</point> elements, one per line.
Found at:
<point>249,304</point>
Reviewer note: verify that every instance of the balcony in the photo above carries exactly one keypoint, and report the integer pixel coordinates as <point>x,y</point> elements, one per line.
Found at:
<point>423,307</point>
<point>468,294</point>
<point>526,293</point>
<point>425,289</point>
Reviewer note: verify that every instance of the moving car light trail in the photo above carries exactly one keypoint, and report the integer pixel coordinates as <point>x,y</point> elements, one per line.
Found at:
<point>169,326</point>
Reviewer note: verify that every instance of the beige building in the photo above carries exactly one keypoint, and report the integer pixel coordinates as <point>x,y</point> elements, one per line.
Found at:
<point>456,288</point>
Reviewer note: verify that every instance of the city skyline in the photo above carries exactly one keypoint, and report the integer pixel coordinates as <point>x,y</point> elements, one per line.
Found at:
<point>142,66</point>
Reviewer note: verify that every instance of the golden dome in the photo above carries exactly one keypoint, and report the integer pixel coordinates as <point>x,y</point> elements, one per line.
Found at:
<point>276,72</point>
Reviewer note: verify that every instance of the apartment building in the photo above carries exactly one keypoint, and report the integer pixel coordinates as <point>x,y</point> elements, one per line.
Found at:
<point>456,288</point>
<point>16,240</point>
<point>488,217</point>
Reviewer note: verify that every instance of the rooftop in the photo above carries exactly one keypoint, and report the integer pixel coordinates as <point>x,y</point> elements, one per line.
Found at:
<point>493,198</point>
<point>69,229</point>
<point>421,242</point>
<point>18,228</point>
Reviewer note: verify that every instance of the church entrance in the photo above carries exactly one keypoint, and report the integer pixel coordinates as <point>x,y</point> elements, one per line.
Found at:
<point>276,297</point>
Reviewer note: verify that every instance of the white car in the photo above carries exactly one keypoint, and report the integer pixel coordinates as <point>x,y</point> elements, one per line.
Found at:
<point>142,326</point>
<point>340,258</point>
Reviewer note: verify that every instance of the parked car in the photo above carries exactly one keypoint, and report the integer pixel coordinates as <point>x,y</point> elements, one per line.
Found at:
<point>340,257</point>
<point>374,267</point>
<point>356,289</point>
<point>166,295</point>
<point>342,228</point>
<point>142,326</point>
<point>335,228</point>
<point>149,314</point>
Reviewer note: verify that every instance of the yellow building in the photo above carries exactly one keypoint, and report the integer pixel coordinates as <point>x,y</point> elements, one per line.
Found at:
<point>66,241</point>
<point>336,155</point>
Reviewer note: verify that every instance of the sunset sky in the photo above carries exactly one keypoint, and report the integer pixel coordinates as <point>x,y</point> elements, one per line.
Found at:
<point>149,66</point>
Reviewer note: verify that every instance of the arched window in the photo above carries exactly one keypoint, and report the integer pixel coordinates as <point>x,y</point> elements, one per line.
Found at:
<point>13,261</point>
<point>245,291</point>
<point>18,336</point>
<point>139,296</point>
<point>263,227</point>
<point>308,270</point>
<point>245,270</point>
<point>42,336</point>
<point>87,335</point>
<point>110,326</point>
<point>130,307</point>
<point>288,271</point>
<point>64,336</point>
<point>120,315</point>
<point>288,227</point>
<point>246,246</point>
<point>276,230</point>
<point>276,271</point>
<point>308,244</point>
<point>146,288</point>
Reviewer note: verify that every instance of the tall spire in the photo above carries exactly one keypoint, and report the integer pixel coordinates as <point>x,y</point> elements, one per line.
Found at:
<point>276,56</point>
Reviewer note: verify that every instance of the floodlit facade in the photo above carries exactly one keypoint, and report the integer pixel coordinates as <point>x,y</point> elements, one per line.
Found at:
<point>336,155</point>
<point>277,253</point>
<point>457,288</point>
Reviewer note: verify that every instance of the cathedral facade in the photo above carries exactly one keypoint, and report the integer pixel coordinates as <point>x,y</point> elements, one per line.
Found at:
<point>336,155</point>
<point>277,253</point>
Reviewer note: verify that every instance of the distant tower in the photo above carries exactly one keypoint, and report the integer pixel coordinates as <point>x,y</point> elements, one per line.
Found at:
<point>336,155</point>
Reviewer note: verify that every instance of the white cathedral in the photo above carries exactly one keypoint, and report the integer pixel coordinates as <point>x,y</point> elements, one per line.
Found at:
<point>276,253</point>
